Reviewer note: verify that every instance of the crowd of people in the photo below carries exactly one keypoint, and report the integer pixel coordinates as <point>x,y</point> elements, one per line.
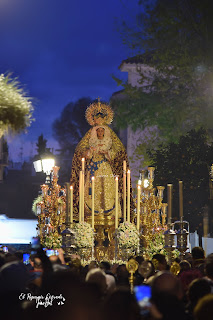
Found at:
<point>59,287</point>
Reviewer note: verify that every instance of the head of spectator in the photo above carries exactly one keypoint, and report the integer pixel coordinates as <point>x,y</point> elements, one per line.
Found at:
<point>76,300</point>
<point>159,262</point>
<point>198,258</point>
<point>19,255</point>
<point>184,266</point>
<point>97,277</point>
<point>139,259</point>
<point>204,308</point>
<point>105,266</point>
<point>36,263</point>
<point>13,277</point>
<point>122,276</point>
<point>121,305</point>
<point>93,265</point>
<point>198,288</point>
<point>209,267</point>
<point>74,265</point>
<point>165,281</point>
<point>166,299</point>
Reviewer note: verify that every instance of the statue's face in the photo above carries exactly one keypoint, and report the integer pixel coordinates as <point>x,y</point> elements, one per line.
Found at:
<point>100,133</point>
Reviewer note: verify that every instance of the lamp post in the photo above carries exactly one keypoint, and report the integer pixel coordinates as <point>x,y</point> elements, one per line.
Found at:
<point>45,164</point>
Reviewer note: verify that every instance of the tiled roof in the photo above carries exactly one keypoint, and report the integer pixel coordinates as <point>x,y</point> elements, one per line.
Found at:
<point>138,59</point>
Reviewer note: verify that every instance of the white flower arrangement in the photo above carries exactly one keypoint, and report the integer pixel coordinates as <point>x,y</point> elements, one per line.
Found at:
<point>35,202</point>
<point>128,236</point>
<point>84,235</point>
<point>39,199</point>
<point>52,241</point>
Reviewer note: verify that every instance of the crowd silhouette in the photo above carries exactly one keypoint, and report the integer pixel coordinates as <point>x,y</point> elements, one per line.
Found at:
<point>59,287</point>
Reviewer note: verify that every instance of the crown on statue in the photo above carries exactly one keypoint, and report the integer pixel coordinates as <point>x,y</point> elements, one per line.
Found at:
<point>99,114</point>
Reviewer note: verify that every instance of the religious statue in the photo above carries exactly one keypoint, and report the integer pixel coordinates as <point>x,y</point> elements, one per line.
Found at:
<point>104,155</point>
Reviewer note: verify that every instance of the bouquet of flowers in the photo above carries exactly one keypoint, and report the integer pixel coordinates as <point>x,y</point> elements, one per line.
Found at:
<point>84,236</point>
<point>128,236</point>
<point>35,202</point>
<point>52,241</point>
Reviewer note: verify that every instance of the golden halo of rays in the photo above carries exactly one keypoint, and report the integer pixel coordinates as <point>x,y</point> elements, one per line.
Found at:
<point>98,107</point>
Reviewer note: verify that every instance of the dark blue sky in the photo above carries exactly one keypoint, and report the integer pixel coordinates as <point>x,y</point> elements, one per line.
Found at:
<point>61,50</point>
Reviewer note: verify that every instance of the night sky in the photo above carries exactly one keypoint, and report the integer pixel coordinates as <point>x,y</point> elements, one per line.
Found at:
<point>61,50</point>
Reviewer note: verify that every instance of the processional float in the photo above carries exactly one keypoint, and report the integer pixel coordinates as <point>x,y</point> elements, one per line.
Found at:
<point>133,231</point>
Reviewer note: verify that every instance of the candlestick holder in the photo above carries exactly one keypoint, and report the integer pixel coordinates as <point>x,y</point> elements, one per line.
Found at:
<point>68,240</point>
<point>169,237</point>
<point>182,237</point>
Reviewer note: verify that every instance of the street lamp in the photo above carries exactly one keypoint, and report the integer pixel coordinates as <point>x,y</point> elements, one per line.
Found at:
<point>45,164</point>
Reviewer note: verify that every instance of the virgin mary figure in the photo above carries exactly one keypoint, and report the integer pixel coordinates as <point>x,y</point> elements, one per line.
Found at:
<point>104,154</point>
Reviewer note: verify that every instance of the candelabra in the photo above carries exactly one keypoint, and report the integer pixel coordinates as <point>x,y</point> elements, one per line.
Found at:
<point>182,236</point>
<point>153,210</point>
<point>51,212</point>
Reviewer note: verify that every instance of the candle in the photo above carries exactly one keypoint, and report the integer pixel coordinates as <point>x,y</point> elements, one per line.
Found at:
<point>83,164</point>
<point>138,207</point>
<point>71,205</point>
<point>169,196</point>
<point>67,202</point>
<point>124,191</point>
<point>181,199</point>
<point>80,195</point>
<point>116,202</point>
<point>128,196</point>
<point>93,202</point>
<point>82,199</point>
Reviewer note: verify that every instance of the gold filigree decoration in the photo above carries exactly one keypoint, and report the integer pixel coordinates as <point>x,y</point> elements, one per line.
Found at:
<point>99,114</point>
<point>175,268</point>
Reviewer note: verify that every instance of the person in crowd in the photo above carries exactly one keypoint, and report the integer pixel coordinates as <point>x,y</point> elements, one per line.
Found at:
<point>166,298</point>
<point>13,281</point>
<point>122,276</point>
<point>159,262</point>
<point>204,308</point>
<point>121,305</point>
<point>209,268</point>
<point>198,288</point>
<point>97,277</point>
<point>198,259</point>
<point>184,266</point>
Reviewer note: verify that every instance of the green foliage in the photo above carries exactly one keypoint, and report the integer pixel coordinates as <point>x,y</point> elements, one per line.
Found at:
<point>189,160</point>
<point>69,129</point>
<point>72,125</point>
<point>15,107</point>
<point>174,37</point>
<point>157,246</point>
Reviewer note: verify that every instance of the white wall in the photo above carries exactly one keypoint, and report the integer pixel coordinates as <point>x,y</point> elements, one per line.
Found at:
<point>17,230</point>
<point>207,244</point>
